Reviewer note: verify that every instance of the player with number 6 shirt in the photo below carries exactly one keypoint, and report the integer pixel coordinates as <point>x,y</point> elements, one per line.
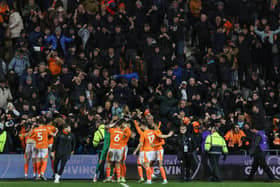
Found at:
<point>115,151</point>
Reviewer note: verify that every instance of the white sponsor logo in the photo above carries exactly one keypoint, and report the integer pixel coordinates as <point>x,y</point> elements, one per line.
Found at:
<point>273,163</point>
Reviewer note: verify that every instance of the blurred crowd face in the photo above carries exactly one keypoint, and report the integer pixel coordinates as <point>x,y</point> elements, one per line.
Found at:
<point>255,109</point>
<point>236,129</point>
<point>150,120</point>
<point>203,17</point>
<point>192,81</point>
<point>183,129</point>
<point>169,94</point>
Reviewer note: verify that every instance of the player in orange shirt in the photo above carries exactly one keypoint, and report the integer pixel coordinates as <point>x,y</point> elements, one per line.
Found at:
<point>126,134</point>
<point>146,141</point>
<point>115,151</point>
<point>152,141</point>
<point>159,151</point>
<point>29,145</point>
<point>140,160</point>
<point>40,135</point>
<point>54,130</point>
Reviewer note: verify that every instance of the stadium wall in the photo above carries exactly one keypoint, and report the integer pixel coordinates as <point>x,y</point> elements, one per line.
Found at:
<point>236,167</point>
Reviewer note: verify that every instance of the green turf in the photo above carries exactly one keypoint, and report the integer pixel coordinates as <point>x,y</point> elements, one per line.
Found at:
<point>134,184</point>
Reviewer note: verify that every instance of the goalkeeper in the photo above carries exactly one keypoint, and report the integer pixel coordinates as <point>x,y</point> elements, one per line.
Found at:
<point>101,138</point>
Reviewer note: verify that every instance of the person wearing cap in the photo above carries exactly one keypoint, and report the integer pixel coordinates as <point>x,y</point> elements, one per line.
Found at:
<point>215,145</point>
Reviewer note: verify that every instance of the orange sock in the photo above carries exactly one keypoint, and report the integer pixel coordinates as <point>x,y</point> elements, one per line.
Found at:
<point>149,173</point>
<point>26,168</point>
<point>140,171</point>
<point>34,168</point>
<point>44,167</point>
<point>38,164</point>
<point>108,170</point>
<point>114,173</point>
<point>163,174</point>
<point>123,167</point>
<point>118,171</point>
<point>152,170</point>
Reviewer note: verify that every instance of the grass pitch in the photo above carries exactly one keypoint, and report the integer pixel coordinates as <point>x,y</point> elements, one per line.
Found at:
<point>12,183</point>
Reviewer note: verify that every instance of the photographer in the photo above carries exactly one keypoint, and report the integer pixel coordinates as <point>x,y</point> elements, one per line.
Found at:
<point>186,146</point>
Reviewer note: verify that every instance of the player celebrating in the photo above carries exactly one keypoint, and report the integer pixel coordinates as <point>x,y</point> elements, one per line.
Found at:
<point>140,160</point>
<point>146,141</point>
<point>159,141</point>
<point>54,130</point>
<point>126,135</point>
<point>115,151</point>
<point>151,142</point>
<point>40,135</point>
<point>29,148</point>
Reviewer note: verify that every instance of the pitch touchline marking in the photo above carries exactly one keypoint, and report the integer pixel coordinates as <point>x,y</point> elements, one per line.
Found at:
<point>124,185</point>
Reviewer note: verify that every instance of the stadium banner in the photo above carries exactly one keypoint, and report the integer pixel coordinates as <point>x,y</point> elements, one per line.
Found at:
<point>236,167</point>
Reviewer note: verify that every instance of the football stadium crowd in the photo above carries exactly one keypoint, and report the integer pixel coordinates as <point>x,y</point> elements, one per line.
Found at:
<point>201,63</point>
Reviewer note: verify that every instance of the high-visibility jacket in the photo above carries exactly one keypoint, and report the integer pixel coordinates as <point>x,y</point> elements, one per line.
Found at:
<point>3,139</point>
<point>98,136</point>
<point>215,144</point>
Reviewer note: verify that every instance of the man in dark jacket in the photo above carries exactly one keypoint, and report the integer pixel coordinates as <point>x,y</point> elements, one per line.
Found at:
<point>258,150</point>
<point>63,147</point>
<point>186,147</point>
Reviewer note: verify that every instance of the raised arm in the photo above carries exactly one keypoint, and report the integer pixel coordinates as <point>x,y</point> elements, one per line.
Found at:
<point>138,148</point>
<point>164,136</point>
<point>276,31</point>
<point>259,33</point>
<point>162,142</point>
<point>137,127</point>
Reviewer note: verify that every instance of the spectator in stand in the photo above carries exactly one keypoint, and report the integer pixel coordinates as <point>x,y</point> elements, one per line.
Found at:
<point>15,25</point>
<point>235,138</point>
<point>82,57</point>
<point>19,63</point>
<point>5,94</point>
<point>55,63</point>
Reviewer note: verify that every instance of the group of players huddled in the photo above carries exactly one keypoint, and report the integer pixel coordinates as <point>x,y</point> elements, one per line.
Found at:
<point>150,149</point>
<point>40,140</point>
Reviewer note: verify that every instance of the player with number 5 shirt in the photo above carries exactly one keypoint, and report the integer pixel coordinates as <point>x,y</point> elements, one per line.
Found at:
<point>41,136</point>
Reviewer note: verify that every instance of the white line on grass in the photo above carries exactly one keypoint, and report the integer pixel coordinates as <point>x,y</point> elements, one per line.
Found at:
<point>124,185</point>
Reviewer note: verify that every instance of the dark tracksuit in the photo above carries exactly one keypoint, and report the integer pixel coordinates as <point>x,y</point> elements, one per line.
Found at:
<point>64,145</point>
<point>258,151</point>
<point>186,147</point>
